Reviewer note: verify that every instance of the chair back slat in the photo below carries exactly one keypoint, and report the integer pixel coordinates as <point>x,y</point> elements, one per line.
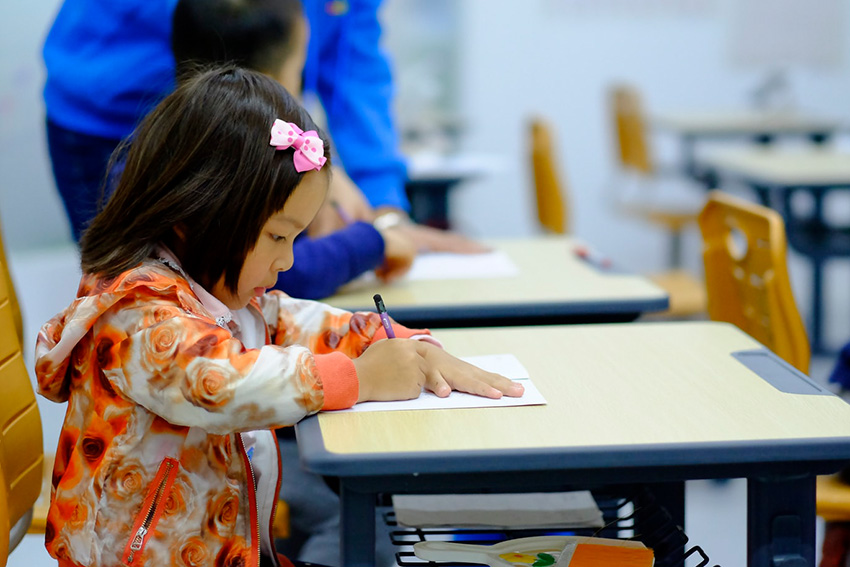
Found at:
<point>552,210</point>
<point>21,444</point>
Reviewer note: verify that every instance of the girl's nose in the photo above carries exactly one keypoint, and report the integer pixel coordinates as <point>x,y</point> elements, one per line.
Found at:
<point>283,263</point>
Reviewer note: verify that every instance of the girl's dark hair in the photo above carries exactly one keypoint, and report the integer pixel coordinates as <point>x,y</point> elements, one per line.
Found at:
<point>257,34</point>
<point>200,165</point>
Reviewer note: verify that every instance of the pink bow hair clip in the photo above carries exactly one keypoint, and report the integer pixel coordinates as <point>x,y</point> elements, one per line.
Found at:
<point>309,148</point>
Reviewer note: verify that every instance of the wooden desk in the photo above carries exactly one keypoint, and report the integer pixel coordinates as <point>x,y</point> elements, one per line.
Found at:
<point>818,168</point>
<point>760,126</point>
<point>554,286</point>
<point>775,175</point>
<point>650,403</point>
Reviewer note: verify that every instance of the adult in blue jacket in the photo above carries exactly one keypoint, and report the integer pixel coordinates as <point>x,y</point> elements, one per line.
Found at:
<point>109,63</point>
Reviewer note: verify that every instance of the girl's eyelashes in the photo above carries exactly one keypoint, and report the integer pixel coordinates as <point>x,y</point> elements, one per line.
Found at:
<point>278,238</point>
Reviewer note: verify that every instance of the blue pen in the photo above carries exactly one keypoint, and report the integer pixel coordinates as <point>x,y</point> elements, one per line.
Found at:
<point>385,319</point>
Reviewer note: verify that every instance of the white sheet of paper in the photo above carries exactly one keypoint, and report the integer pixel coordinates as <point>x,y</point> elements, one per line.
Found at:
<point>449,266</point>
<point>505,364</point>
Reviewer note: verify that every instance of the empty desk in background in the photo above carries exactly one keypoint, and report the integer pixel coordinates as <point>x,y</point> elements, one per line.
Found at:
<point>430,178</point>
<point>775,175</point>
<point>650,404</point>
<point>759,126</point>
<point>553,285</point>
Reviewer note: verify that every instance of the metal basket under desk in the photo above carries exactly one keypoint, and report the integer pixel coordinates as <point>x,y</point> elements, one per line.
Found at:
<point>667,540</point>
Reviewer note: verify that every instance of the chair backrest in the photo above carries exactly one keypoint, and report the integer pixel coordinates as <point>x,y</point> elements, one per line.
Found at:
<point>550,193</point>
<point>746,275</point>
<point>21,445</point>
<point>629,129</point>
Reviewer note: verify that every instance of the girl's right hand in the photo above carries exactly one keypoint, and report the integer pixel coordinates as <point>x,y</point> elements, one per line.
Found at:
<point>398,369</point>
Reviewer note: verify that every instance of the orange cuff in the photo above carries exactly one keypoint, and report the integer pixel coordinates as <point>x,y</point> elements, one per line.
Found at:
<point>401,332</point>
<point>339,380</point>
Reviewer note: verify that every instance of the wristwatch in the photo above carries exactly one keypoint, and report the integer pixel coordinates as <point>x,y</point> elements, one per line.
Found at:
<point>390,219</point>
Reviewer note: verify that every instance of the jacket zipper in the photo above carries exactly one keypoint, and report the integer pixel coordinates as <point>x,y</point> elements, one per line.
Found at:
<point>162,483</point>
<point>252,500</point>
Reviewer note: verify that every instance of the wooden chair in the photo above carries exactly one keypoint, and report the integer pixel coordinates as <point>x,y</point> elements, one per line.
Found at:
<point>744,250</point>
<point>634,159</point>
<point>687,293</point>
<point>552,211</point>
<point>21,445</point>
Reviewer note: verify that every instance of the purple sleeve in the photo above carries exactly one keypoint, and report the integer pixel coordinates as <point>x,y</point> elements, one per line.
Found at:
<point>323,264</point>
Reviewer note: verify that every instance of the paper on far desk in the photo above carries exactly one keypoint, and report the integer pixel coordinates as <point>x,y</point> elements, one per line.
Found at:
<point>505,364</point>
<point>449,266</point>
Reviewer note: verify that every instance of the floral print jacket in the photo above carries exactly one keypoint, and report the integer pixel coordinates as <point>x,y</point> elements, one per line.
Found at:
<point>166,455</point>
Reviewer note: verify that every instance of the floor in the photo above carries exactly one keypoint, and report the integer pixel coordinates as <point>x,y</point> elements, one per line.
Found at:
<point>716,520</point>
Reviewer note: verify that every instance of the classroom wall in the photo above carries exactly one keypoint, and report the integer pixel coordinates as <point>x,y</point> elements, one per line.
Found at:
<point>30,209</point>
<point>540,57</point>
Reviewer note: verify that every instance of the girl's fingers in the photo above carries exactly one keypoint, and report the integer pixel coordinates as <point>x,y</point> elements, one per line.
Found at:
<point>507,386</point>
<point>473,386</point>
<point>473,380</point>
<point>455,374</point>
<point>435,382</point>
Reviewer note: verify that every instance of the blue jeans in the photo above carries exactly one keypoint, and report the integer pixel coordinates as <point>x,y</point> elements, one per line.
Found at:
<point>80,163</point>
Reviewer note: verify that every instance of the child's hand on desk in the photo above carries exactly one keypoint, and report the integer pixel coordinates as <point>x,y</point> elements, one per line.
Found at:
<point>429,239</point>
<point>398,369</point>
<point>399,253</point>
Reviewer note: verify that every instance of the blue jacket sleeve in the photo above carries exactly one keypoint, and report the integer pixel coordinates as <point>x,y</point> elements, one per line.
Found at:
<point>351,76</point>
<point>323,264</point>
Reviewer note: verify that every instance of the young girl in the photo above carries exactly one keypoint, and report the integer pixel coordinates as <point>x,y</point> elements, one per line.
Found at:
<point>174,361</point>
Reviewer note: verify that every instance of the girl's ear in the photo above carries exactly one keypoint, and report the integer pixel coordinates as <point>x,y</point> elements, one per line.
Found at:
<point>180,231</point>
<point>177,240</point>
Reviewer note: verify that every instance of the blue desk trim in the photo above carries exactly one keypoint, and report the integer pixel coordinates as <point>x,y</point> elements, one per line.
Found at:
<point>491,315</point>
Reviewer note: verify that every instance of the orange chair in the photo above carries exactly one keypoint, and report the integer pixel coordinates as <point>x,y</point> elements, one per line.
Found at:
<point>552,211</point>
<point>633,156</point>
<point>746,275</point>
<point>748,285</point>
<point>21,445</point>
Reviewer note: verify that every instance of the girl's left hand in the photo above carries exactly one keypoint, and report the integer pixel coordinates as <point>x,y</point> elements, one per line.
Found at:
<point>399,253</point>
<point>451,373</point>
<point>429,239</point>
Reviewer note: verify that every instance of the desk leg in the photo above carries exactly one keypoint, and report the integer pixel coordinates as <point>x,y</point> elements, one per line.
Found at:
<point>817,306</point>
<point>763,194</point>
<point>357,527</point>
<point>659,513</point>
<point>781,522</point>
<point>689,156</point>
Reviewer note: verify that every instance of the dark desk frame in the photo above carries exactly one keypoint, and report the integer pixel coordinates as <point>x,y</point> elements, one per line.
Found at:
<point>765,138</point>
<point>523,314</point>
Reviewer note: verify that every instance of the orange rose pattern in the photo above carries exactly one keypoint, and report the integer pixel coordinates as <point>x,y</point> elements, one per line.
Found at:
<point>149,376</point>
